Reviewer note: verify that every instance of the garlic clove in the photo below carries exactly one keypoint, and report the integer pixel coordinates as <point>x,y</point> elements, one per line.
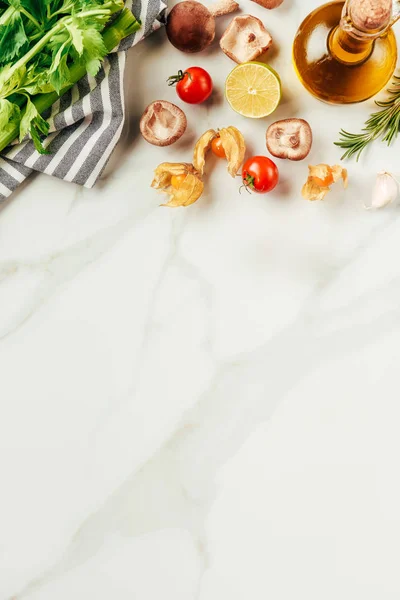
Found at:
<point>385,191</point>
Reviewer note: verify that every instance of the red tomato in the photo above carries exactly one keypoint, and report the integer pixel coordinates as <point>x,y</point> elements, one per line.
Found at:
<point>193,85</point>
<point>260,174</point>
<point>217,147</point>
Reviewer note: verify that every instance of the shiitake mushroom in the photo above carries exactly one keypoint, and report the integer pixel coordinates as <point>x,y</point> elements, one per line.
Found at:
<point>191,25</point>
<point>245,39</point>
<point>290,138</point>
<point>270,4</point>
<point>162,123</point>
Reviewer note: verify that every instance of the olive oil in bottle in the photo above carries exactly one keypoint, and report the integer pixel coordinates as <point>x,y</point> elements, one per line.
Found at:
<point>342,53</point>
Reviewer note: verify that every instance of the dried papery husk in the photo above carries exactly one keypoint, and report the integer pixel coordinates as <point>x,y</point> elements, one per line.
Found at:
<point>319,181</point>
<point>339,172</point>
<point>235,148</point>
<point>232,143</point>
<point>201,149</point>
<point>189,190</point>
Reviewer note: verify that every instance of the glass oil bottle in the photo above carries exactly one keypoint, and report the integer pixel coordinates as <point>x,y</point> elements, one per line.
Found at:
<point>342,53</point>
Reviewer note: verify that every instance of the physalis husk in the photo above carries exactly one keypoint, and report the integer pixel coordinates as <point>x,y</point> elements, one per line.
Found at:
<point>188,191</point>
<point>320,178</point>
<point>232,142</point>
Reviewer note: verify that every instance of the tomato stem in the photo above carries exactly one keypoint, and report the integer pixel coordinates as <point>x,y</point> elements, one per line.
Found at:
<point>174,79</point>
<point>246,187</point>
<point>248,182</point>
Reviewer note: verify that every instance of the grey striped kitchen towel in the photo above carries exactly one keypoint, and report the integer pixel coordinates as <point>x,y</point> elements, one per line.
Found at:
<point>86,122</point>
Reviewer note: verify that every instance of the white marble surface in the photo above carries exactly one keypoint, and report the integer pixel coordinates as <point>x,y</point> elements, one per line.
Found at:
<point>201,403</point>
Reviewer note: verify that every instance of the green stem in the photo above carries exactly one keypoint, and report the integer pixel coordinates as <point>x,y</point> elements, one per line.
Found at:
<point>6,15</point>
<point>62,10</point>
<point>30,17</point>
<point>34,37</point>
<point>123,26</point>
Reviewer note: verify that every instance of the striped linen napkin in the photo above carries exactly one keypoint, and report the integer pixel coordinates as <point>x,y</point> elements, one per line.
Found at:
<point>86,122</point>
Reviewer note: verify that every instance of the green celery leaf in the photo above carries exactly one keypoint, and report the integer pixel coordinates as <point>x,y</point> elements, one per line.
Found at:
<point>34,124</point>
<point>36,81</point>
<point>59,71</point>
<point>94,51</point>
<point>39,127</point>
<point>10,80</point>
<point>76,37</point>
<point>29,114</point>
<point>13,39</point>
<point>10,114</point>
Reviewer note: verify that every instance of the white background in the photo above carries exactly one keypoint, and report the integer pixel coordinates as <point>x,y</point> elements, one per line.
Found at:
<point>202,403</point>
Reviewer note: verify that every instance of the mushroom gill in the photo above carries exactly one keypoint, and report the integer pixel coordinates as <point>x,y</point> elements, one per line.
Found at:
<point>245,39</point>
<point>290,138</point>
<point>162,123</point>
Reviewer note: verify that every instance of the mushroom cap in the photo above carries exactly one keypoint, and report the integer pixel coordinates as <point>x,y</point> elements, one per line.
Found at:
<point>162,123</point>
<point>269,3</point>
<point>223,7</point>
<point>290,138</point>
<point>190,26</point>
<point>245,39</point>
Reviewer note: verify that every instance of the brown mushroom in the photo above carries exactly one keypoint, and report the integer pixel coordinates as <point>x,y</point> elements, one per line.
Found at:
<point>245,39</point>
<point>191,25</point>
<point>269,3</point>
<point>162,123</point>
<point>291,138</point>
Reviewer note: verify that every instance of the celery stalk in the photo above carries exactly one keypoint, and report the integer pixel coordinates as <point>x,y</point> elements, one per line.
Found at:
<point>123,26</point>
<point>51,33</point>
<point>7,14</point>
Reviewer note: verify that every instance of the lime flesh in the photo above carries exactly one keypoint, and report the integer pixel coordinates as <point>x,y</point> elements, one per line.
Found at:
<point>253,90</point>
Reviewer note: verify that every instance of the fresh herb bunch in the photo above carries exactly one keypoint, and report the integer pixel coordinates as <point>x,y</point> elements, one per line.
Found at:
<point>46,46</point>
<point>385,123</point>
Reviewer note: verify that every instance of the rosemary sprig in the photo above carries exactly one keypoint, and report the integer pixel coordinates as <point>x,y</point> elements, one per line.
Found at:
<point>385,123</point>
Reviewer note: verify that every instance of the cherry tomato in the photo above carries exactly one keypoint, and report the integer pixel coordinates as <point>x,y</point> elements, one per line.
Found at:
<point>193,85</point>
<point>260,174</point>
<point>177,180</point>
<point>217,147</point>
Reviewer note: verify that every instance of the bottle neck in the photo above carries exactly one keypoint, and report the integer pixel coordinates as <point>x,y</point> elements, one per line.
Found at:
<point>348,49</point>
<point>352,41</point>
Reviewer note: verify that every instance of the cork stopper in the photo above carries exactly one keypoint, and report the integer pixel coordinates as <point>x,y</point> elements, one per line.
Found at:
<point>371,15</point>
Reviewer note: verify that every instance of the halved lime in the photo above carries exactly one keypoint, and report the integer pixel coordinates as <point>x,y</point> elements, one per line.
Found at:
<point>253,89</point>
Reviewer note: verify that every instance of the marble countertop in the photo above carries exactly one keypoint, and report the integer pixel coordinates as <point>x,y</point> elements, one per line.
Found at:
<point>201,403</point>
